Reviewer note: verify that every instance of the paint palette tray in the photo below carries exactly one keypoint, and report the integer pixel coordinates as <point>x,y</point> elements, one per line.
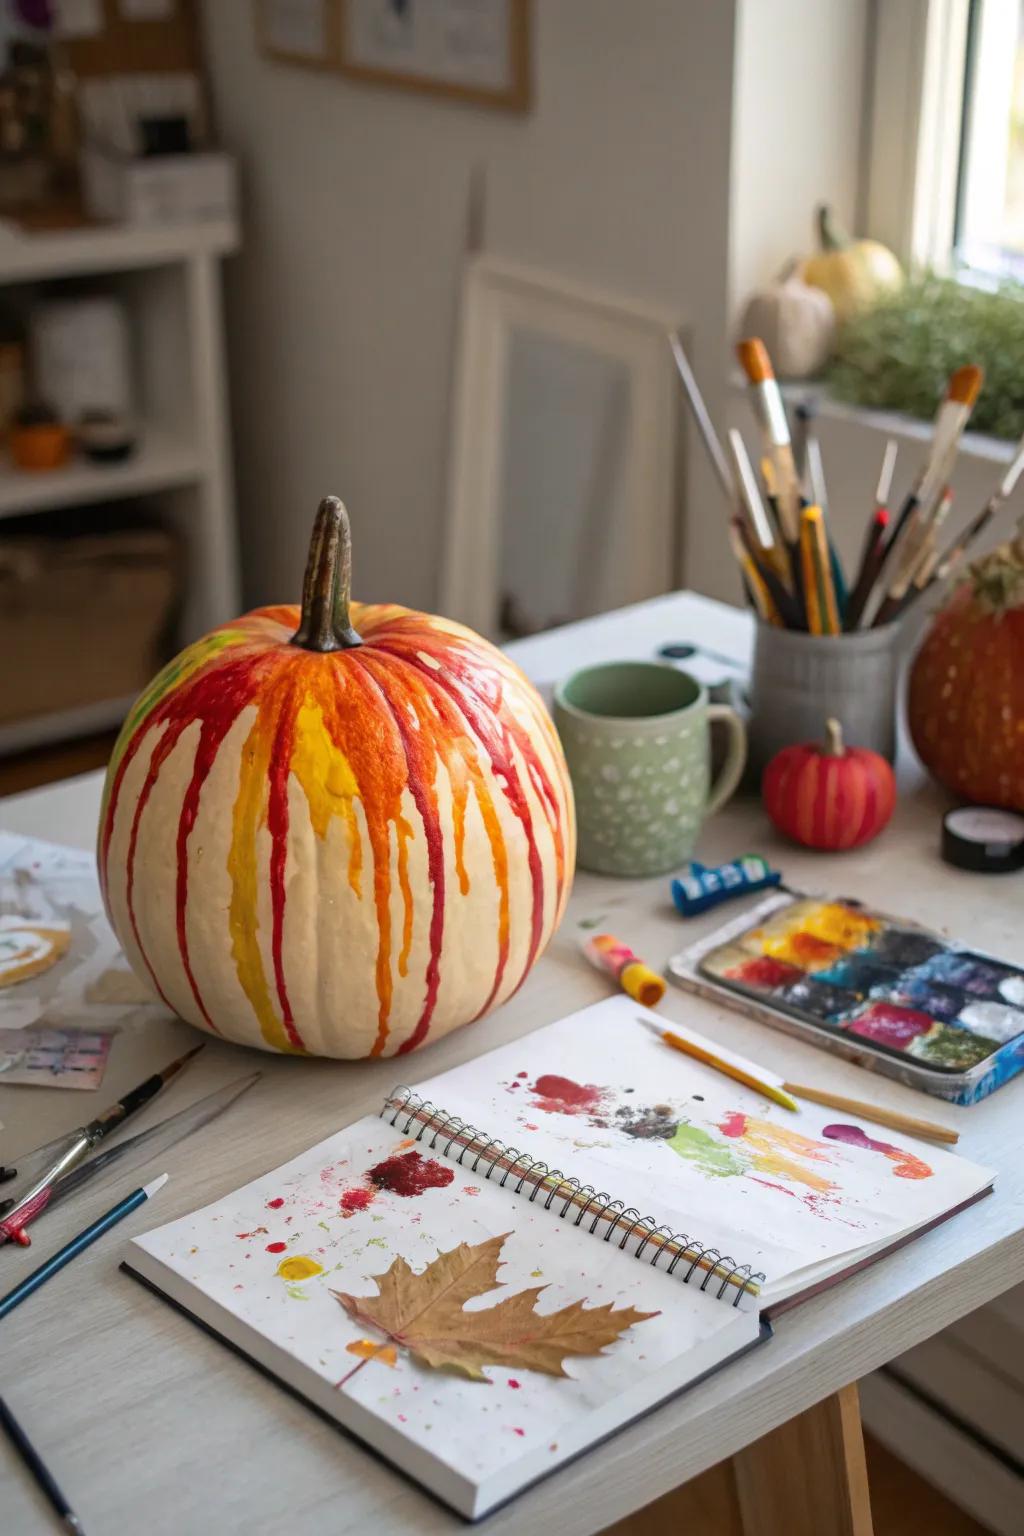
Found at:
<point>877,989</point>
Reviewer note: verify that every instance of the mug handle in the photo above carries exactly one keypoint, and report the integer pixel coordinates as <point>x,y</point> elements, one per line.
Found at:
<point>727,783</point>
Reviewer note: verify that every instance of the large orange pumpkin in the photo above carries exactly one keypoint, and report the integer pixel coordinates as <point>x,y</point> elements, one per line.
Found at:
<point>344,834</point>
<point>966,700</point>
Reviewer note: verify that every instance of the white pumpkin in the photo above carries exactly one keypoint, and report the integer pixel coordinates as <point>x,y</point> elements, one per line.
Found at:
<point>796,322</point>
<point>333,832</point>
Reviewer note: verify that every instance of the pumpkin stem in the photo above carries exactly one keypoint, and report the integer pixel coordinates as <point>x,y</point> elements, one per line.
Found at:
<point>834,746</point>
<point>831,236</point>
<point>324,625</point>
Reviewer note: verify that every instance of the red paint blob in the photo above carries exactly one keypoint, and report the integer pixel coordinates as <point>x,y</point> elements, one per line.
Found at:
<point>561,1096</point>
<point>276,1247</point>
<point>356,1199</point>
<point>275,1205</point>
<point>891,1025</point>
<point>410,1174</point>
<point>734,1123</point>
<point>514,1385</point>
<point>522,1074</point>
<point>764,971</point>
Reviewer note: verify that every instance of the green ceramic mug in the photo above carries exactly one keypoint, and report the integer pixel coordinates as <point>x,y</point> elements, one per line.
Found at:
<point>637,740</point>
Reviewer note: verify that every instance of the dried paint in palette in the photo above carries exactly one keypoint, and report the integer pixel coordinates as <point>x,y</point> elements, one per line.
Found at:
<point>887,984</point>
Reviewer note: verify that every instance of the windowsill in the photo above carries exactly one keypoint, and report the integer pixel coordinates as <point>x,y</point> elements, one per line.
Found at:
<point>974,445</point>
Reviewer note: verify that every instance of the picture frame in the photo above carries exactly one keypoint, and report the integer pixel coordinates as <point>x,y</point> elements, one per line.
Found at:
<point>303,32</point>
<point>612,474</point>
<point>474,51</point>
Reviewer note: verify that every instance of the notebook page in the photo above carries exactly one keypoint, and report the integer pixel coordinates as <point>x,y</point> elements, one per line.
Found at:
<point>260,1265</point>
<point>599,1096</point>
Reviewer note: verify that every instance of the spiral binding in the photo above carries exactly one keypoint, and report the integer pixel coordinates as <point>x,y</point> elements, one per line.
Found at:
<point>592,1206</point>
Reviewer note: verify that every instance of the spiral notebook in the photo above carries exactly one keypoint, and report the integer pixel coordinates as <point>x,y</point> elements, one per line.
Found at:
<point>618,1173</point>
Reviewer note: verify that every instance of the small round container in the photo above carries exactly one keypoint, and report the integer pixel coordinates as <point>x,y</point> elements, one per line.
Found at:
<point>41,446</point>
<point>799,681</point>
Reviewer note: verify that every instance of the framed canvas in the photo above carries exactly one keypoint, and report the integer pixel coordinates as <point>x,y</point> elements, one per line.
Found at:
<point>471,50</point>
<point>562,474</point>
<point>306,32</point>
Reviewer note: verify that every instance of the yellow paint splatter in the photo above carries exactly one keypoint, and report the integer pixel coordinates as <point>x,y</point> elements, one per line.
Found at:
<point>298,1267</point>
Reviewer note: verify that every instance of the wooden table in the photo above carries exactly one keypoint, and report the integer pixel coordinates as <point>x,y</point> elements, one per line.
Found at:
<point>154,1427</point>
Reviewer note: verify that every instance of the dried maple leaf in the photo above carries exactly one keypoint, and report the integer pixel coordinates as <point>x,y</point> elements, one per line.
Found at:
<point>425,1313</point>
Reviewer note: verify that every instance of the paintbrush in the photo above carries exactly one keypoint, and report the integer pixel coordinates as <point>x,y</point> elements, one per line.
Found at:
<point>79,1144</point>
<point>742,1070</point>
<point>783,597</point>
<point>952,555</point>
<point>767,549</point>
<point>873,552</point>
<point>705,426</point>
<point>950,421</point>
<point>766,400</point>
<point>914,556</point>
<point>758,593</point>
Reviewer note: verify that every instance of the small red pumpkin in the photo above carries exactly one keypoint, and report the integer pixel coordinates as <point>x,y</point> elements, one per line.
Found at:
<point>965,704</point>
<point>829,796</point>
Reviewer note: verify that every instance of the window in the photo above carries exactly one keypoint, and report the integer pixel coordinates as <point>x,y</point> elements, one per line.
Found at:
<point>989,231</point>
<point>946,169</point>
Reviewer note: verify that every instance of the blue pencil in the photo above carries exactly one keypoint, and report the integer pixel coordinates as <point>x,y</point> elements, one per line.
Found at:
<point>79,1244</point>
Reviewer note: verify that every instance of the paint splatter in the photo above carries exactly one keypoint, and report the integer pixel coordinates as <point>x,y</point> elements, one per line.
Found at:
<point>410,1174</point>
<point>276,1247</point>
<point>658,1123</point>
<point>711,1157</point>
<point>355,1199</point>
<point>275,1205</point>
<point>256,1232</point>
<point>299,1267</point>
<point>778,1150</point>
<point>470,1189</point>
<point>561,1096</point>
<point>513,1384</point>
<point>905,1164</point>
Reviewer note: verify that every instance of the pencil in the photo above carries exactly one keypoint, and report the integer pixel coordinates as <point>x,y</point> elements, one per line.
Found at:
<point>818,588</point>
<point>44,1478</point>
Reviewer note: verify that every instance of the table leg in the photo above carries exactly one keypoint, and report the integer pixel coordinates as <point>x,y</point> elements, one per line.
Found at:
<point>808,1477</point>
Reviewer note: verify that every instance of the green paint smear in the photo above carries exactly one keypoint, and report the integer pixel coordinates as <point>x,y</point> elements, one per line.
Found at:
<point>710,1156</point>
<point>376,1242</point>
<point>296,1294</point>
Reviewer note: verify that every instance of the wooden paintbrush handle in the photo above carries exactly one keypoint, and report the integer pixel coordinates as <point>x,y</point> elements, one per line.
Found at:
<point>930,1130</point>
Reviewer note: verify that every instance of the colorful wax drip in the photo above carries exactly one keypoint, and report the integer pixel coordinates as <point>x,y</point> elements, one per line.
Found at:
<point>392,745</point>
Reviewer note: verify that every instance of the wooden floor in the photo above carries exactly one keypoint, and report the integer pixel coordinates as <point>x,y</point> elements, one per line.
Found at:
<point>902,1504</point>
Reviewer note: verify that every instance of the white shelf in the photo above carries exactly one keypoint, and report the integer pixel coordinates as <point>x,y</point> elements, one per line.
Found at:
<point>974,445</point>
<point>63,725</point>
<point>107,248</point>
<point>159,462</point>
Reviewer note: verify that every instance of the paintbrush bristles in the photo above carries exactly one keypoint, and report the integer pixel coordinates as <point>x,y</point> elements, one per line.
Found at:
<point>965,384</point>
<point>754,360</point>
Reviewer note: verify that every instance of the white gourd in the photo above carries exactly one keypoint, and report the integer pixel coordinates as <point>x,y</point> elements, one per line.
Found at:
<point>796,322</point>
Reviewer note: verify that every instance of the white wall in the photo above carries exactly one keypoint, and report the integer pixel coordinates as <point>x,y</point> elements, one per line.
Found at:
<point>342,306</point>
